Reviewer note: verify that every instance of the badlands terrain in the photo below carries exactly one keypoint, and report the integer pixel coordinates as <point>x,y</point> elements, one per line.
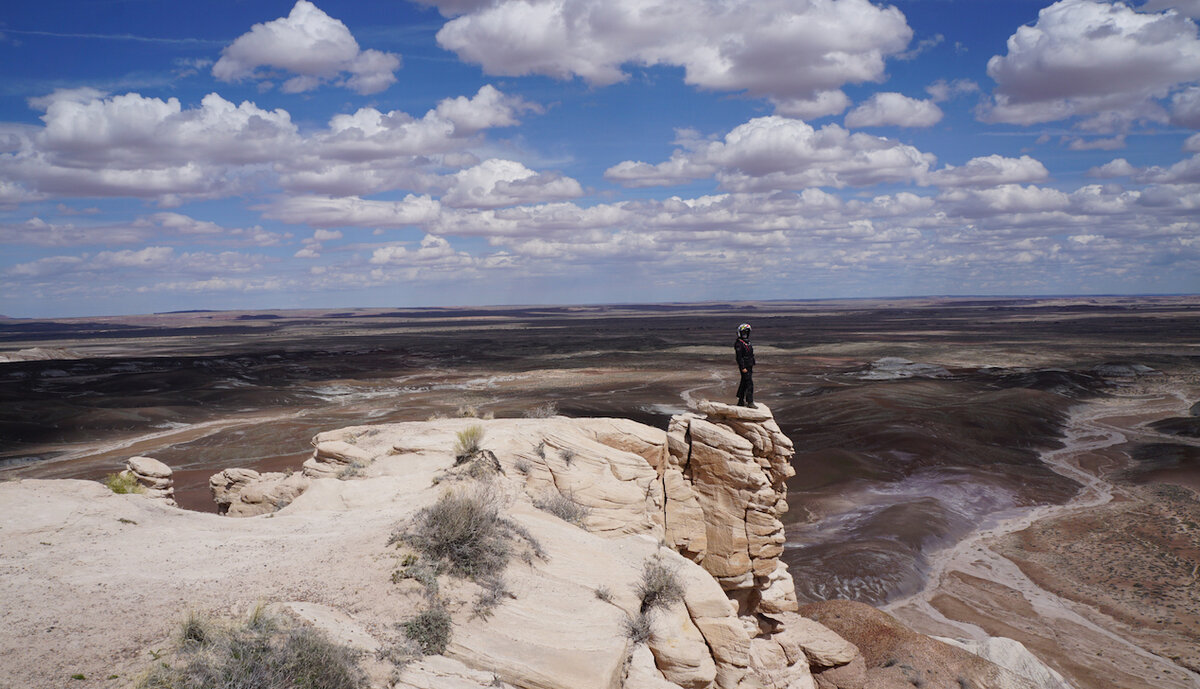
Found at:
<point>977,469</point>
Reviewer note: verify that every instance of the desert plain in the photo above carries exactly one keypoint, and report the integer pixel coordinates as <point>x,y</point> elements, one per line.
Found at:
<point>1025,468</point>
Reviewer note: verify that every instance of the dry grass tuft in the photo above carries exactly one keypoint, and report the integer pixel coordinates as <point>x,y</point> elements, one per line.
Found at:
<point>659,586</point>
<point>261,654</point>
<point>637,628</point>
<point>468,443</point>
<point>564,507</point>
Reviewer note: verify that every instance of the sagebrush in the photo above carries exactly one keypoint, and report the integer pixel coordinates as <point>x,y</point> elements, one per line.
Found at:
<point>430,630</point>
<point>564,507</point>
<point>466,532</point>
<point>659,586</point>
<point>261,654</point>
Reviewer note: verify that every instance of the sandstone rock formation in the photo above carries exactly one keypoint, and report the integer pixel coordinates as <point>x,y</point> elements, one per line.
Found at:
<point>246,493</point>
<point>153,476</point>
<point>702,500</point>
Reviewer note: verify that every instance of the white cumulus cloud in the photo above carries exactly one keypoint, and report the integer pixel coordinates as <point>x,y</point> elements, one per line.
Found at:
<point>1090,57</point>
<point>1118,167</point>
<point>795,52</point>
<point>310,45</point>
<point>990,171</point>
<point>782,153</point>
<point>495,183</point>
<point>888,108</point>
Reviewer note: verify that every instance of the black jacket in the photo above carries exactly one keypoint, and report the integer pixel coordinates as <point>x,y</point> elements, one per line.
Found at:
<point>745,354</point>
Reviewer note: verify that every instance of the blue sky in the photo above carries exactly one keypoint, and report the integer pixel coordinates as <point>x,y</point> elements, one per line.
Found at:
<point>159,156</point>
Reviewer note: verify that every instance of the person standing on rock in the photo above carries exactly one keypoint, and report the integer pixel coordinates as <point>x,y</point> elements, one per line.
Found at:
<point>744,351</point>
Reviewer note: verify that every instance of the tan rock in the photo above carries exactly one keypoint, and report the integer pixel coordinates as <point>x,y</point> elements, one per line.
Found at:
<point>822,646</point>
<point>246,493</point>
<point>155,478</point>
<point>643,673</point>
<point>779,593</point>
<point>440,672</point>
<point>679,649</point>
<point>683,517</point>
<point>758,412</point>
<point>148,467</point>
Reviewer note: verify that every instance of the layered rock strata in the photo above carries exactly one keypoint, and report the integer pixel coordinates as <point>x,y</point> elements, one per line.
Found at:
<point>704,499</point>
<point>246,493</point>
<point>726,472</point>
<point>155,478</point>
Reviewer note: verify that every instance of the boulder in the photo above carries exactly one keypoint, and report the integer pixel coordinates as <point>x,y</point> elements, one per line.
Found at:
<point>153,476</point>
<point>246,493</point>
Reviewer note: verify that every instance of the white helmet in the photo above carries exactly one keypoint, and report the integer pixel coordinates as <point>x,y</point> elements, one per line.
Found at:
<point>743,329</point>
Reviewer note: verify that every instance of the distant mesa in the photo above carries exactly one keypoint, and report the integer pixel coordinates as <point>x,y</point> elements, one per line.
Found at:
<point>258,317</point>
<point>168,313</point>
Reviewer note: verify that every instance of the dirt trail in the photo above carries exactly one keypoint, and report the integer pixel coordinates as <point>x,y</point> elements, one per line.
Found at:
<point>973,591</point>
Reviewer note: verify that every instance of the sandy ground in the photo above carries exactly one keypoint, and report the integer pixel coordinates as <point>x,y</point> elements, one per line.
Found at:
<point>1104,588</point>
<point>95,584</point>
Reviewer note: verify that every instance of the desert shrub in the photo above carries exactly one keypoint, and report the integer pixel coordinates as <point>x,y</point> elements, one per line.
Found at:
<point>637,628</point>
<point>352,470</point>
<point>603,593</point>
<point>491,593</point>
<point>262,656</point>
<point>465,532</point>
<point>541,449</point>
<point>468,411</point>
<point>523,466</point>
<point>542,411</point>
<point>567,454</point>
<point>563,506</point>
<point>430,630</point>
<point>123,482</point>
<point>659,586</point>
<point>468,443</point>
<point>423,572</point>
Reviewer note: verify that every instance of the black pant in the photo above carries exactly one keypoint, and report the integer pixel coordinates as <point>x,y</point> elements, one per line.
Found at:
<point>746,389</point>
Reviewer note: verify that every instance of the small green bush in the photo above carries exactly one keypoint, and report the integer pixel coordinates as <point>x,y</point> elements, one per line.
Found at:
<point>659,586</point>
<point>430,630</point>
<point>469,441</point>
<point>564,507</point>
<point>257,655</point>
<point>123,482</point>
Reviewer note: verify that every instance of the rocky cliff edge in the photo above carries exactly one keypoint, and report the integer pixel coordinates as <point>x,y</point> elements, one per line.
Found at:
<point>95,582</point>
